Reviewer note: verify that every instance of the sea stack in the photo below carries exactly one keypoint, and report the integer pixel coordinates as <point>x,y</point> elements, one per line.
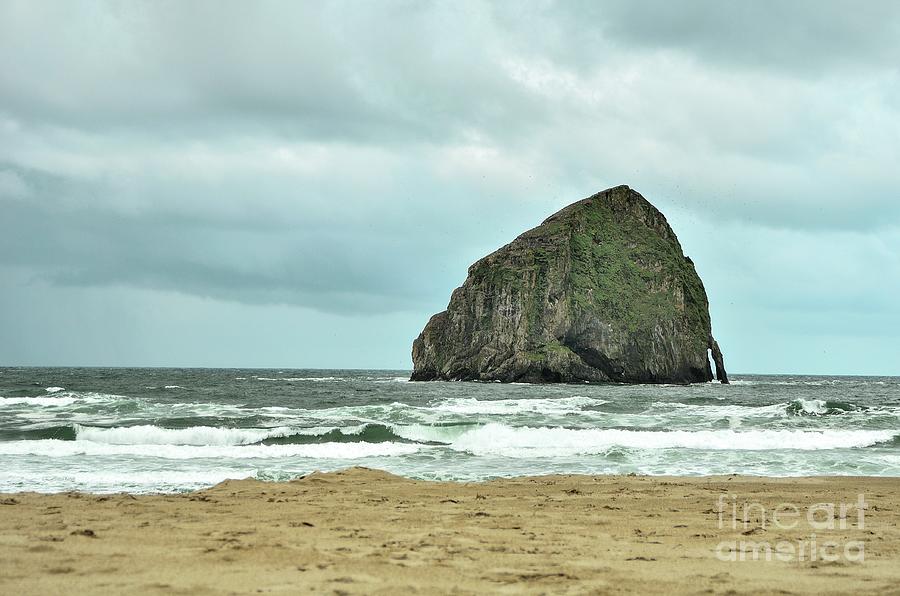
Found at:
<point>599,292</point>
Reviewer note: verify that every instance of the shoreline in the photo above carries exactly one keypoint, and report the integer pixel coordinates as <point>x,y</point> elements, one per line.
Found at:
<point>354,469</point>
<point>367,531</point>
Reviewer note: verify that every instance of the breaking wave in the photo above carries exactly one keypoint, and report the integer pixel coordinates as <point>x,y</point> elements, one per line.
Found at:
<point>51,401</point>
<point>559,405</point>
<point>507,441</point>
<point>177,429</point>
<point>57,448</point>
<point>296,379</point>
<point>820,407</point>
<point>196,435</point>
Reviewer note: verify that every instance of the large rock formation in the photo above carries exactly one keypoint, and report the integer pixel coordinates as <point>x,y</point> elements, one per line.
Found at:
<point>599,292</point>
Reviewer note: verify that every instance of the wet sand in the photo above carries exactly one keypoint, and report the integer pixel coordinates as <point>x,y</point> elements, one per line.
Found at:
<point>363,531</point>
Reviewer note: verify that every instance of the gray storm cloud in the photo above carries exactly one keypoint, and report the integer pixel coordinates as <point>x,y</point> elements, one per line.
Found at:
<point>348,160</point>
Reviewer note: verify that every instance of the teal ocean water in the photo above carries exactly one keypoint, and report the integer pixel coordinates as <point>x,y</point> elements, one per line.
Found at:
<point>168,430</point>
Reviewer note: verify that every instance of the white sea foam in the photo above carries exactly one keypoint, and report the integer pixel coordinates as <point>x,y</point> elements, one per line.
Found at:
<point>59,399</point>
<point>719,411</point>
<point>117,480</point>
<point>51,401</point>
<point>561,405</point>
<point>802,407</point>
<point>200,435</point>
<point>173,387</point>
<point>503,440</point>
<point>440,411</point>
<point>808,382</point>
<point>429,433</point>
<point>814,407</point>
<point>371,413</point>
<point>54,389</point>
<point>57,448</point>
<point>316,431</point>
<point>294,379</point>
<point>196,435</point>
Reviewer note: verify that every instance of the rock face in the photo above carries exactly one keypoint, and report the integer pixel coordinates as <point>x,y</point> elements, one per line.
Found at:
<point>599,292</point>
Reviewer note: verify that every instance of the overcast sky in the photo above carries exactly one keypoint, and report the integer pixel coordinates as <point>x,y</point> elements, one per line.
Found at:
<point>302,184</point>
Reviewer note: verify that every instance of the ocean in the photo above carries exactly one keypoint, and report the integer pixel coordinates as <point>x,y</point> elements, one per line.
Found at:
<point>172,430</point>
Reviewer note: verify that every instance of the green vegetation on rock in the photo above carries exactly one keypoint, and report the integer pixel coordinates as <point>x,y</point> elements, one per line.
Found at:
<point>599,292</point>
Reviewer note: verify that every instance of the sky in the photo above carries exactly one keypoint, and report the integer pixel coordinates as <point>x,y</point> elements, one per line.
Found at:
<point>303,184</point>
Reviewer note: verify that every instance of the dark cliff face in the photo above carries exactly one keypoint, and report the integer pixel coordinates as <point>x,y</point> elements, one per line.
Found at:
<point>599,292</point>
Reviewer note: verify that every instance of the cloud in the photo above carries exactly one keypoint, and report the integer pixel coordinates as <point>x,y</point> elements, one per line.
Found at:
<point>12,186</point>
<point>354,158</point>
<point>802,38</point>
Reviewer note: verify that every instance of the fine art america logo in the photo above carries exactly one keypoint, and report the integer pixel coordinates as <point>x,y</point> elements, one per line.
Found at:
<point>753,517</point>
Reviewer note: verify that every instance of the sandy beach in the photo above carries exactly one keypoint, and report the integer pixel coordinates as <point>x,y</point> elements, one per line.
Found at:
<point>365,531</point>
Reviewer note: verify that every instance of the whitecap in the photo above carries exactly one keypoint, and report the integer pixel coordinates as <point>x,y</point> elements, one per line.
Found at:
<point>343,451</point>
<point>196,435</point>
<point>37,401</point>
<point>815,407</point>
<point>295,379</point>
<point>430,433</point>
<point>561,405</point>
<point>118,480</point>
<point>503,440</point>
<point>388,379</point>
